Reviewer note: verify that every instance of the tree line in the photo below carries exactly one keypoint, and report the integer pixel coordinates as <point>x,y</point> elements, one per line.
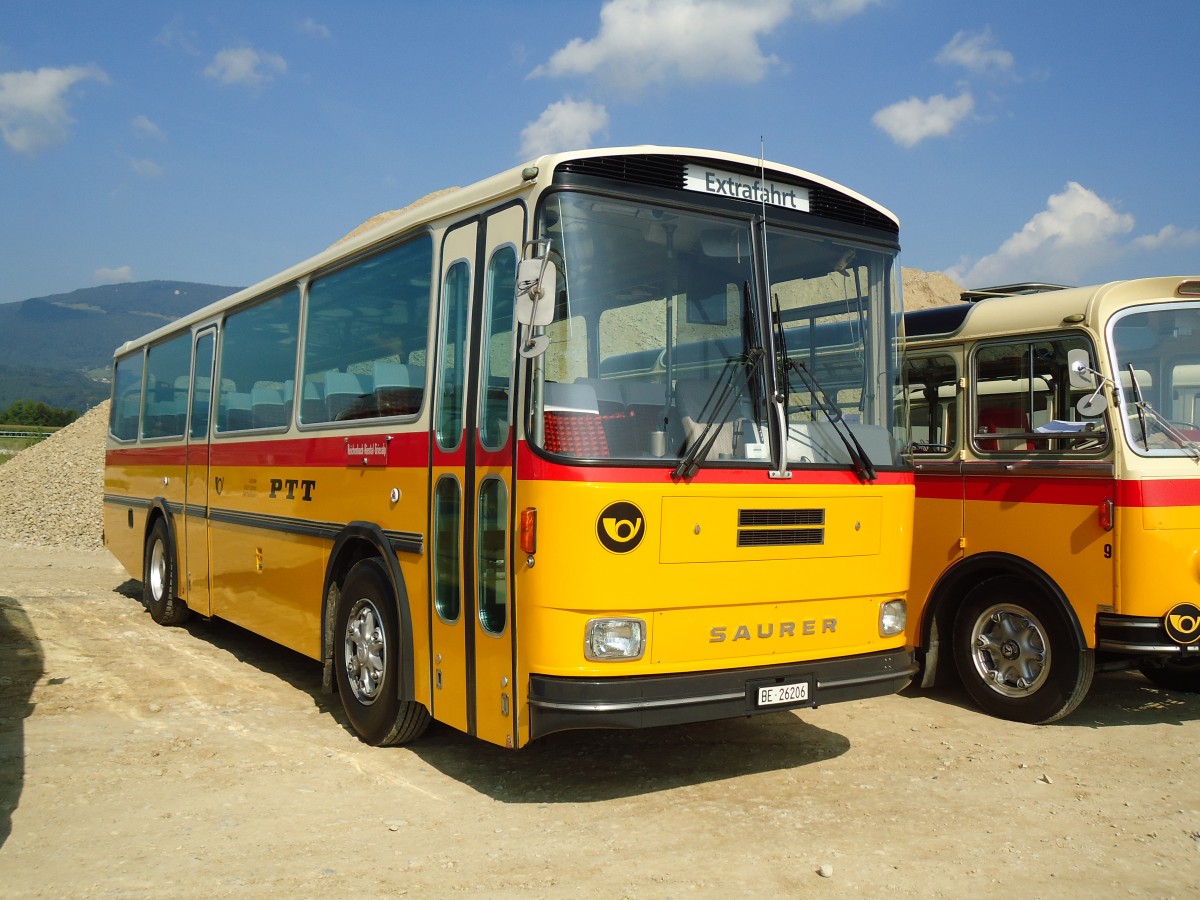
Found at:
<point>27,412</point>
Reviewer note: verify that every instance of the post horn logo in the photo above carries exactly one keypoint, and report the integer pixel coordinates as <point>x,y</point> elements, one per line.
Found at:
<point>1183,623</point>
<point>620,527</point>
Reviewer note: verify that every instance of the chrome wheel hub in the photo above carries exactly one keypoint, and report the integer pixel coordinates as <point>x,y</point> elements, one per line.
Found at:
<point>158,571</point>
<point>1010,650</point>
<point>366,651</point>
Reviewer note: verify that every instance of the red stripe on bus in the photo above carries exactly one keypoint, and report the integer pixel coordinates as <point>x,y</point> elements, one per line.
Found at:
<point>1171,492</point>
<point>1060,491</point>
<point>1016,489</point>
<point>534,466</point>
<point>317,452</point>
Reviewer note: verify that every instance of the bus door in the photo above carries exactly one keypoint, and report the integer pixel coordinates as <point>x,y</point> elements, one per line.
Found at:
<point>472,447</point>
<point>195,511</point>
<point>490,405</point>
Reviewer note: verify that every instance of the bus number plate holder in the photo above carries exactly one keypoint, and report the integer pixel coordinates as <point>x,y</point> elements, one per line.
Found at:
<point>790,692</point>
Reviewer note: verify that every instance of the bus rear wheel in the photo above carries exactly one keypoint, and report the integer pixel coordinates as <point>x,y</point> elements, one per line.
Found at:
<point>366,660</point>
<point>160,578</point>
<point>1174,674</point>
<point>1017,655</point>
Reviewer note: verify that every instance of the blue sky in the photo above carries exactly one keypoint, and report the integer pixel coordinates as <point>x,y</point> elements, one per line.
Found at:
<point>221,142</point>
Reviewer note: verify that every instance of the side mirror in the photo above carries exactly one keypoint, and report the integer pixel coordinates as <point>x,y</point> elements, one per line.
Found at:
<point>537,285</point>
<point>1079,364</point>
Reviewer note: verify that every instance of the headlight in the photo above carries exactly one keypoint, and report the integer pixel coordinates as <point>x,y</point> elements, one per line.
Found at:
<point>606,639</point>
<point>893,616</point>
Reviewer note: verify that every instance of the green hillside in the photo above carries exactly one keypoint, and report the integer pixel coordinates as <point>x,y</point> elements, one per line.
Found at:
<point>48,345</point>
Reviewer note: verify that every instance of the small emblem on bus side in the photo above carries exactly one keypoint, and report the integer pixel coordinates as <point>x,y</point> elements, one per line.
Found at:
<point>1183,623</point>
<point>620,527</point>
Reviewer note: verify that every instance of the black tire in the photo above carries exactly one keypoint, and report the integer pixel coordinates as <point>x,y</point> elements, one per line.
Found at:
<point>160,578</point>
<point>1017,654</point>
<point>1174,674</point>
<point>367,645</point>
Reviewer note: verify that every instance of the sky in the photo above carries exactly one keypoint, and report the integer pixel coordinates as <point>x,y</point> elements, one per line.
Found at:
<point>221,142</point>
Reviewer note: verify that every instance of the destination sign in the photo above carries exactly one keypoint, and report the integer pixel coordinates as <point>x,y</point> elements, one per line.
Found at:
<point>744,187</point>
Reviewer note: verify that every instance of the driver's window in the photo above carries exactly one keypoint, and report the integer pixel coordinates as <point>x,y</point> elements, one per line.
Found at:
<point>931,395</point>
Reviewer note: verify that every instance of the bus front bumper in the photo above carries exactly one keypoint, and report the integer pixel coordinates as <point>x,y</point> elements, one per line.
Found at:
<point>563,704</point>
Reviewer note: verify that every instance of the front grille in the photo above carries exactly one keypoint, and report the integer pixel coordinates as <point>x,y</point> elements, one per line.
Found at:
<point>780,537</point>
<point>661,171</point>
<point>780,527</point>
<point>651,169</point>
<point>765,518</point>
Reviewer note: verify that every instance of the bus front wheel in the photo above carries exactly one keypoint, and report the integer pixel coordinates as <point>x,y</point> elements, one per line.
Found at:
<point>366,660</point>
<point>160,578</point>
<point>1017,655</point>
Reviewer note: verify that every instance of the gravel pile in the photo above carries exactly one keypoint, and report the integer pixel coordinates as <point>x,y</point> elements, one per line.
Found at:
<point>51,494</point>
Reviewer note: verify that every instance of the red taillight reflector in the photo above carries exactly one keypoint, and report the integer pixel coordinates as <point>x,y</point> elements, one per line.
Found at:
<point>529,530</point>
<point>1105,514</point>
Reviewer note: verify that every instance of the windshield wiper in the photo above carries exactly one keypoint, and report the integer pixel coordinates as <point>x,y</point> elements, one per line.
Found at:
<point>727,391</point>
<point>863,466</point>
<point>1142,408</point>
<point>718,406</point>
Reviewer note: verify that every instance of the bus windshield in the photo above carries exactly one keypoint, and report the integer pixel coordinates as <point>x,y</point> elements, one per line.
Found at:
<point>1156,358</point>
<point>664,345</point>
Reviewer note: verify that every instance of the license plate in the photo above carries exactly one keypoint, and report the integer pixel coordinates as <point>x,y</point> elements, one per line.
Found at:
<point>779,694</point>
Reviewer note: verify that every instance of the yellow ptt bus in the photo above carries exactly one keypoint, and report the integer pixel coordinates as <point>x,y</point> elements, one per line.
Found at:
<point>1057,452</point>
<point>605,440</point>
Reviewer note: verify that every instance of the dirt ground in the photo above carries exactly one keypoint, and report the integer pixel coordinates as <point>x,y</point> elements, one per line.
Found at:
<point>203,761</point>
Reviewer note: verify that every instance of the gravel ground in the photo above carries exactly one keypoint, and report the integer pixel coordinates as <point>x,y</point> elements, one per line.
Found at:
<point>51,493</point>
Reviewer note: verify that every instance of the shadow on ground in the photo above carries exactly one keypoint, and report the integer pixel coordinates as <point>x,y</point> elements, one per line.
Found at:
<point>21,667</point>
<point>1115,699</point>
<point>571,767</point>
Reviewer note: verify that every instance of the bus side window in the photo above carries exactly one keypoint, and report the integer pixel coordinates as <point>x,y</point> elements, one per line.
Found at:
<point>127,397</point>
<point>1024,402</point>
<point>258,347</point>
<point>931,392</point>
<point>365,337</point>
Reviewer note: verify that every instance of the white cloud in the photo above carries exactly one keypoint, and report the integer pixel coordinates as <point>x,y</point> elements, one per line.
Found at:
<point>246,66</point>
<point>1168,237</point>
<point>1076,231</point>
<point>146,168</point>
<point>144,126</point>
<point>315,29</point>
<point>117,275</point>
<point>835,10</point>
<point>913,120</point>
<point>33,105</point>
<point>566,125</point>
<point>976,53</point>
<point>645,42</point>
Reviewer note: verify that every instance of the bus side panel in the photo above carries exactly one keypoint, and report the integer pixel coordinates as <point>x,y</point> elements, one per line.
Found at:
<point>277,508</point>
<point>142,475</point>
<point>938,530</point>
<point>1158,528</point>
<point>1054,523</point>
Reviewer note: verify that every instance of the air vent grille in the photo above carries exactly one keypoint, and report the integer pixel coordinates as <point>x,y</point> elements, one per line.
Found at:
<point>780,527</point>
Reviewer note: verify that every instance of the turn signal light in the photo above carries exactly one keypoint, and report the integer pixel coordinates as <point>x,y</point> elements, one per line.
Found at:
<point>1105,514</point>
<point>529,530</point>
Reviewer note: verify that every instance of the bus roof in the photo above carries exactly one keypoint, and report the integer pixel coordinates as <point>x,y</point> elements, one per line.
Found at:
<point>535,173</point>
<point>989,312</point>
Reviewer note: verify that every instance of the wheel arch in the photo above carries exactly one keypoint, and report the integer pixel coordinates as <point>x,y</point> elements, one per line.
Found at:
<point>354,543</point>
<point>937,618</point>
<point>160,508</point>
